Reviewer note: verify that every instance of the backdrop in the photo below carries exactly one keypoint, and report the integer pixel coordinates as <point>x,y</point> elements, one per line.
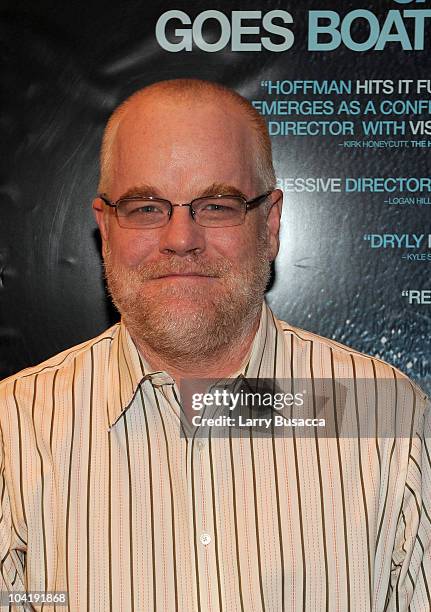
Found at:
<point>343,86</point>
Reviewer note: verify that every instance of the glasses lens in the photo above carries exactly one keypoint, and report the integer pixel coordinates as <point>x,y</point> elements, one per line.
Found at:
<point>141,212</point>
<point>222,211</point>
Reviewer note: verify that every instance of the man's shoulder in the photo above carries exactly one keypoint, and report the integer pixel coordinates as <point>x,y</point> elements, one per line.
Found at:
<point>61,361</point>
<point>342,353</point>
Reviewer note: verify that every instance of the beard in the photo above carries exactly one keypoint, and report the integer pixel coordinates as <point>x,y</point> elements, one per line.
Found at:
<point>185,322</point>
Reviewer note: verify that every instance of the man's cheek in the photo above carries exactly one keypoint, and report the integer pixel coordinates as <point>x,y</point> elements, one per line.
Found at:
<point>132,250</point>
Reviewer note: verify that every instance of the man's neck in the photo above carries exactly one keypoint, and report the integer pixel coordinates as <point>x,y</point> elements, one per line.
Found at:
<point>220,364</point>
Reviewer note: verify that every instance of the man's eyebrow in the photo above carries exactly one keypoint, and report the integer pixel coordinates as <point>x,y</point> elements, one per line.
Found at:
<point>146,190</point>
<point>141,191</point>
<point>222,189</point>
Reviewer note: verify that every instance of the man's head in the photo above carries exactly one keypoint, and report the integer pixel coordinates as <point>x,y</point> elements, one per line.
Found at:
<point>193,91</point>
<point>184,288</point>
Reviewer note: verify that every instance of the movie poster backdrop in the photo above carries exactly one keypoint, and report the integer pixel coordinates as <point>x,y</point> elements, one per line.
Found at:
<point>345,88</point>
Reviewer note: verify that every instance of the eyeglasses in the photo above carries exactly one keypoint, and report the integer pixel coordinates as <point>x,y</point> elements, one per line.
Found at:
<point>150,212</point>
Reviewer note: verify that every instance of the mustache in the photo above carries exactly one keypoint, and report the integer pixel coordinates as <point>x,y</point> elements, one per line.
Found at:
<point>187,265</point>
<point>164,268</point>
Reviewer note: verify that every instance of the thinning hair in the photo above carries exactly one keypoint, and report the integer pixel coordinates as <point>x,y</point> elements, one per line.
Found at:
<point>184,89</point>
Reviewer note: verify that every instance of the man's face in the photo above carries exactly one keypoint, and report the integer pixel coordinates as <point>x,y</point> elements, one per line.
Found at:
<point>182,286</point>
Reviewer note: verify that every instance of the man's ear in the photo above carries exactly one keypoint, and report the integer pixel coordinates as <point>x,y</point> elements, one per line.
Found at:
<point>99,215</point>
<point>273,221</point>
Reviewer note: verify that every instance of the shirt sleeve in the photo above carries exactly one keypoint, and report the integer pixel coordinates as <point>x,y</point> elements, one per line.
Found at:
<point>411,561</point>
<point>12,559</point>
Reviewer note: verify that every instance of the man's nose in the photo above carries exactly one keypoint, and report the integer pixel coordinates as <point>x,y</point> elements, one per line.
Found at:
<point>182,235</point>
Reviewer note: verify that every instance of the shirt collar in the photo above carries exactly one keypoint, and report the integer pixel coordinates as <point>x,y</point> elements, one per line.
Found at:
<point>128,369</point>
<point>261,359</point>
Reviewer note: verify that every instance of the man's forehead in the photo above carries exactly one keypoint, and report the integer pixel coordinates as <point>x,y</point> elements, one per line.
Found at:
<point>154,113</point>
<point>183,144</point>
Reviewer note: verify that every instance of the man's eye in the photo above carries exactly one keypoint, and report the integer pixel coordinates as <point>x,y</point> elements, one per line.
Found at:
<point>216,208</point>
<point>147,209</point>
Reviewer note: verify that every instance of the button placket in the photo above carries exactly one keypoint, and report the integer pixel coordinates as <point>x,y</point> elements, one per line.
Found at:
<point>204,542</point>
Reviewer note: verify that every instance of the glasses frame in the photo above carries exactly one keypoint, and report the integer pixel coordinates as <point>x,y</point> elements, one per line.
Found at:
<point>248,205</point>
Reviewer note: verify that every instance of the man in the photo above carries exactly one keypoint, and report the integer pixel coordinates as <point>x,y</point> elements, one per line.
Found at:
<point>104,499</point>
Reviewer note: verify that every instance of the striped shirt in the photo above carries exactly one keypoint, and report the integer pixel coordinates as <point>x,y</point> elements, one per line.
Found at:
<point>101,497</point>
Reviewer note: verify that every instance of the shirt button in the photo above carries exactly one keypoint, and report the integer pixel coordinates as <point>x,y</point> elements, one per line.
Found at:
<point>205,538</point>
<point>201,445</point>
